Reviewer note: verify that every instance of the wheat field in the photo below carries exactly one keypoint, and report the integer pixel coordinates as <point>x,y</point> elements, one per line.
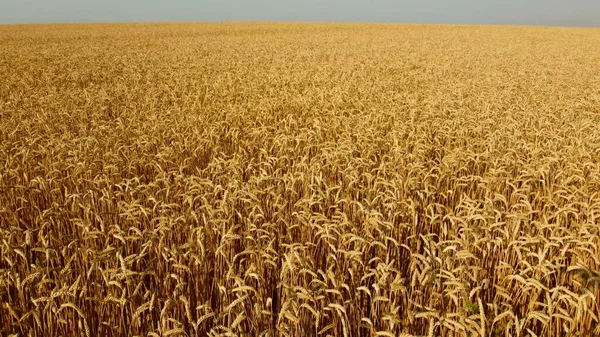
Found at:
<point>262,179</point>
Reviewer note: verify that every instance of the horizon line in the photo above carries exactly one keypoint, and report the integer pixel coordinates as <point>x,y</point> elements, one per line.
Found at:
<point>294,22</point>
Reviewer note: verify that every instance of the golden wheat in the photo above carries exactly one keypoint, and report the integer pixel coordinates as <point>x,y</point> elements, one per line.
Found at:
<point>299,179</point>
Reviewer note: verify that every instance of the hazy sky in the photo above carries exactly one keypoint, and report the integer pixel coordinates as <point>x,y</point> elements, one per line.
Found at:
<point>526,12</point>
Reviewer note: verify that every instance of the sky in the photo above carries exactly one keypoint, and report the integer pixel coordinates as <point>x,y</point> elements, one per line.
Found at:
<point>584,13</point>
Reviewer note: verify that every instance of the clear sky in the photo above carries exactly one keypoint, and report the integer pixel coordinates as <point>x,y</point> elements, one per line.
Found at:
<point>521,12</point>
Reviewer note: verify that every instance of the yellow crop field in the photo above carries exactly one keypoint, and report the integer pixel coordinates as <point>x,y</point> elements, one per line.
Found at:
<point>288,179</point>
